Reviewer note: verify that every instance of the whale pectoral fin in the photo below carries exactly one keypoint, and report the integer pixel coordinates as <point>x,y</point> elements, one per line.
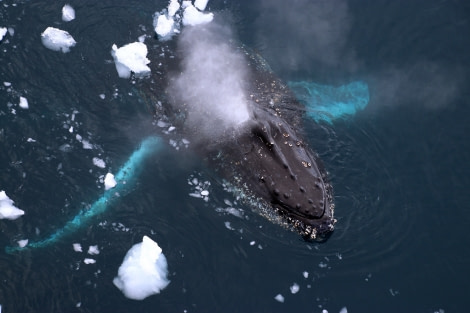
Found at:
<point>328,103</point>
<point>125,179</point>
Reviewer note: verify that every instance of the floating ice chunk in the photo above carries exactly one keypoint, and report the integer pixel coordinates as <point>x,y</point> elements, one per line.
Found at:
<point>57,40</point>
<point>99,162</point>
<point>89,261</point>
<point>343,310</point>
<point>305,274</point>
<point>164,26</point>
<point>192,16</point>
<point>201,4</point>
<point>93,250</point>
<point>7,84</point>
<point>68,13</point>
<point>77,247</point>
<point>204,193</point>
<point>143,271</point>
<point>30,140</point>
<point>23,103</point>
<point>131,58</point>
<point>279,298</point>
<point>3,32</point>
<point>173,7</point>
<point>86,144</point>
<point>294,288</point>
<point>22,243</point>
<point>109,181</point>
<point>7,209</point>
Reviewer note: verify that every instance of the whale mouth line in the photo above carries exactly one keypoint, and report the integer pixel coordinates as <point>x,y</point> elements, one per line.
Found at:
<point>294,213</point>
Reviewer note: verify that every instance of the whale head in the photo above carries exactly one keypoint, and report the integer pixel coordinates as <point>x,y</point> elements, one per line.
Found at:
<point>280,168</point>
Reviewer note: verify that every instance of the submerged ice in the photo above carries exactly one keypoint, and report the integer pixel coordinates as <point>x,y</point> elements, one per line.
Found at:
<point>143,271</point>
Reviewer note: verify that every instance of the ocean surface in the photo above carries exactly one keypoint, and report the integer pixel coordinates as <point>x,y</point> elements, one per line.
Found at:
<point>400,168</point>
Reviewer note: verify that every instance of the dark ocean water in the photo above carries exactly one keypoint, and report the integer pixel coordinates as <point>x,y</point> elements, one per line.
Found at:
<point>400,168</point>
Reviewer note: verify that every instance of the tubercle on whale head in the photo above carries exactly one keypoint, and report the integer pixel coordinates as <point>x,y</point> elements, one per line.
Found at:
<point>289,175</point>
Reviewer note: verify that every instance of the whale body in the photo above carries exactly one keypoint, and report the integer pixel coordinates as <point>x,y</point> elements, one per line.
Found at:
<point>265,157</point>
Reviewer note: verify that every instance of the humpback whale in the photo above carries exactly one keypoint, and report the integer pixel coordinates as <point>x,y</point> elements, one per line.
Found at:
<point>264,158</point>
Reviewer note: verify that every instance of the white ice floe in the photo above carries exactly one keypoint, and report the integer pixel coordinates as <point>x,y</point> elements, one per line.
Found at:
<point>294,288</point>
<point>201,4</point>
<point>193,16</point>
<point>22,243</point>
<point>68,13</point>
<point>131,58</point>
<point>167,22</point>
<point>77,247</point>
<point>57,40</point>
<point>93,250</point>
<point>7,209</point>
<point>143,271</point>
<point>89,261</point>
<point>109,181</point>
<point>173,7</point>
<point>279,298</point>
<point>99,162</point>
<point>23,103</point>
<point>3,32</point>
<point>164,26</point>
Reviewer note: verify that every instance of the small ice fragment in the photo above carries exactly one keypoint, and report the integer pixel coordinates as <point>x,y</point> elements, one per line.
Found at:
<point>305,273</point>
<point>228,226</point>
<point>23,103</point>
<point>171,128</point>
<point>3,32</point>
<point>201,4</point>
<point>57,40</point>
<point>204,193</point>
<point>343,310</point>
<point>131,58</point>
<point>89,261</point>
<point>93,250</point>
<point>164,26</point>
<point>30,140</point>
<point>252,243</point>
<point>99,162</point>
<point>86,145</point>
<point>324,311</point>
<point>192,16</point>
<point>294,288</point>
<point>77,247</point>
<point>68,13</point>
<point>7,209</point>
<point>7,84</point>
<point>279,298</point>
<point>71,129</point>
<point>22,243</point>
<point>143,272</point>
<point>173,7</point>
<point>102,96</point>
<point>109,181</point>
